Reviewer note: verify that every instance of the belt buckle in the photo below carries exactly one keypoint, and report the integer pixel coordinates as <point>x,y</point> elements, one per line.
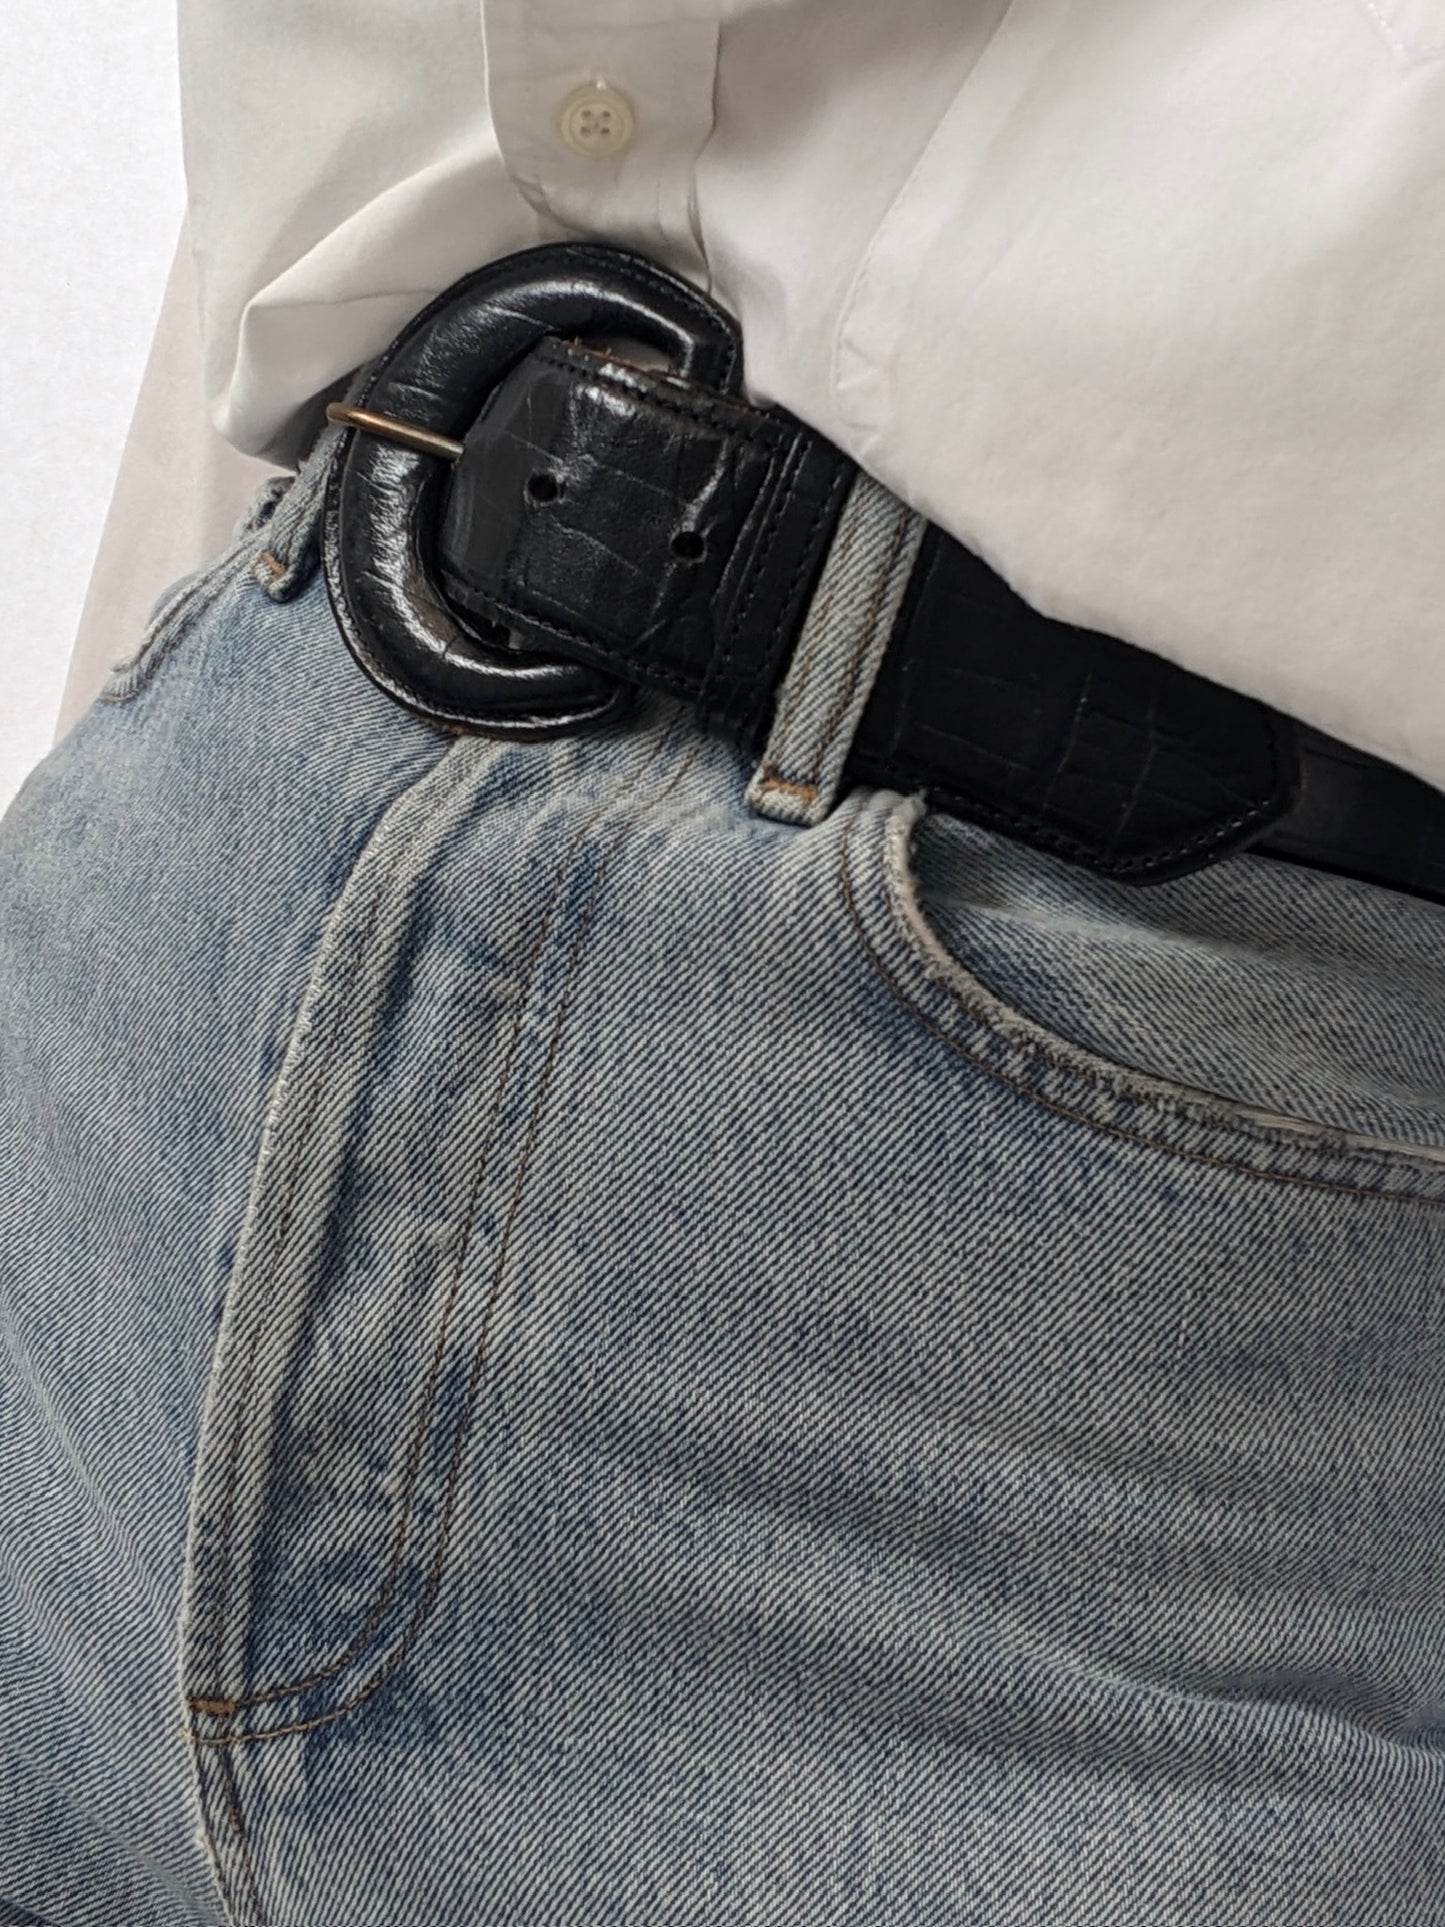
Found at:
<point>388,473</point>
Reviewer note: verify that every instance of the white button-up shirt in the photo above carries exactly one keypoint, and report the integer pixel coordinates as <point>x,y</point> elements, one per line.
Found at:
<point>1143,300</point>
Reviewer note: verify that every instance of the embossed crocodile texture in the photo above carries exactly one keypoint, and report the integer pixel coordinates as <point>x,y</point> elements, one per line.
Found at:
<point>643,525</point>
<point>673,537</point>
<point>1072,740</point>
<point>608,527</point>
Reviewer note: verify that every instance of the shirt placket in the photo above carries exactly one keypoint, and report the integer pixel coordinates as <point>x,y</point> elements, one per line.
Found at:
<point>600,109</point>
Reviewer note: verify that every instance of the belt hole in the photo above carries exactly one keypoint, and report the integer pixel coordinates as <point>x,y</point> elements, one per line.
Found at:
<point>689,545</point>
<point>543,487</point>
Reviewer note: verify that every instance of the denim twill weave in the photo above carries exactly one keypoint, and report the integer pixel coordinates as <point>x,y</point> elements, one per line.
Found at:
<point>570,1353</point>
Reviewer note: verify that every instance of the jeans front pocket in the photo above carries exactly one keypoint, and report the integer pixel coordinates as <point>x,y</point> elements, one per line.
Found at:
<point>1255,1009</point>
<point>1234,1182</point>
<point>717,1411</point>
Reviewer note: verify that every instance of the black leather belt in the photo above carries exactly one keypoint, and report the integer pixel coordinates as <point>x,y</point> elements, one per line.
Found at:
<point>520,529</point>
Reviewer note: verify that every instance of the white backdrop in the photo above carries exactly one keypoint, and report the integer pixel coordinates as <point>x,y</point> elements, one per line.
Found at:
<point>90,156</point>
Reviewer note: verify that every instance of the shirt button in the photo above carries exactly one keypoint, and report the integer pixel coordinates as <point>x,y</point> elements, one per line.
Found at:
<point>597,121</point>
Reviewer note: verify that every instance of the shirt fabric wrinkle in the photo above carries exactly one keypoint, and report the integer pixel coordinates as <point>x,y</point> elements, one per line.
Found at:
<point>1139,304</point>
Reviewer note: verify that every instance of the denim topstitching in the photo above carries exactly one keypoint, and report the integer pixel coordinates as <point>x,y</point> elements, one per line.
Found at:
<point>1073,1062</point>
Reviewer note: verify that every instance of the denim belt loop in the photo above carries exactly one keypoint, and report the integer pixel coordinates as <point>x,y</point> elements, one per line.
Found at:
<point>837,658</point>
<point>288,561</point>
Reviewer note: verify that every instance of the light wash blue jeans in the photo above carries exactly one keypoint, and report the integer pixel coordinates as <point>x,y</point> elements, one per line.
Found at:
<point>570,1354</point>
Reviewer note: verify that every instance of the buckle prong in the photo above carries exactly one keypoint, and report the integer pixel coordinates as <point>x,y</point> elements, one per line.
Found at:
<point>379,523</point>
<point>392,429</point>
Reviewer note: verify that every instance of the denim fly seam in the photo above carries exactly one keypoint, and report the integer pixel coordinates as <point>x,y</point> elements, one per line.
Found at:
<point>308,1135</point>
<point>367,1410</point>
<point>379,1613</point>
<point>749,1388</point>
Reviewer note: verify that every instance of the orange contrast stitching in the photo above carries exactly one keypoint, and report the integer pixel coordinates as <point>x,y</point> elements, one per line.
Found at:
<point>463,1429</point>
<point>773,779</point>
<point>363,1634</point>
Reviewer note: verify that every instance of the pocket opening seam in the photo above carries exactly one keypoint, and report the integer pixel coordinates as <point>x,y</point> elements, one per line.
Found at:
<point>1215,1116</point>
